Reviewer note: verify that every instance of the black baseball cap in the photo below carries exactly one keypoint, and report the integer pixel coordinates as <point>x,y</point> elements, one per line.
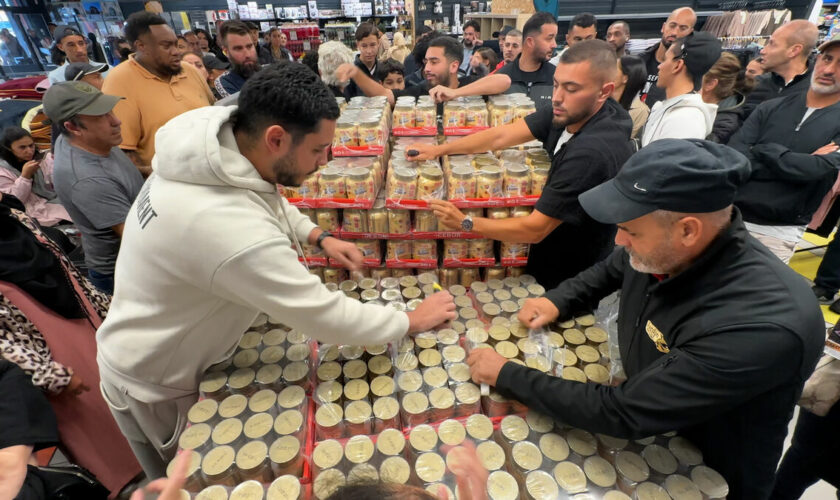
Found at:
<point>75,71</point>
<point>700,50</point>
<point>65,30</point>
<point>678,175</point>
<point>505,30</point>
<point>213,62</point>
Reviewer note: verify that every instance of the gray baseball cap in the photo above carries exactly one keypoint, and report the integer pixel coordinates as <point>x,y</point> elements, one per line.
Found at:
<point>67,99</point>
<point>65,30</point>
<point>75,71</point>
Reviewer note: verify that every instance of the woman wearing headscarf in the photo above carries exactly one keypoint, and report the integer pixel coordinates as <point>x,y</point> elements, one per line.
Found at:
<point>399,50</point>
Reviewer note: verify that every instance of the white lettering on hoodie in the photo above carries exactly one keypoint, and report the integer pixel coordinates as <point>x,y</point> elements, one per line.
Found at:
<point>682,117</point>
<point>204,253</point>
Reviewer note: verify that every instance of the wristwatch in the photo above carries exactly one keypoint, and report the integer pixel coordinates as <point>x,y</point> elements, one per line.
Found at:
<point>321,237</point>
<point>467,223</point>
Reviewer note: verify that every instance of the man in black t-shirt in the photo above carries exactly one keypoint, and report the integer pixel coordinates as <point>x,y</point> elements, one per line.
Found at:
<point>443,58</point>
<point>678,25</point>
<point>587,135</point>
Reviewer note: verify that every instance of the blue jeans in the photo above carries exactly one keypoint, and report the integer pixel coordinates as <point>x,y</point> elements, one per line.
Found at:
<point>104,282</point>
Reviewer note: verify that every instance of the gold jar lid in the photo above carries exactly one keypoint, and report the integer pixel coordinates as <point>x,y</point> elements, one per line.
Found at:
<point>474,323</point>
<point>430,467</point>
<point>711,484</point>
<point>491,455</point>
<point>478,287</point>
<point>596,334</point>
<point>685,452</point>
<point>412,292</point>
<point>296,337</point>
<point>284,449</point>
<point>468,313</point>
<point>681,488</point>
<point>430,357</point>
<point>454,354</point>
<point>452,432</point>
<point>382,385</point>
<point>327,454</point>
<point>355,369</point>
<point>435,377</point>
<point>406,344</point>
<point>467,393</point>
<point>539,422</point>
<point>258,425</point>
<point>507,349</point>
<point>250,340</point>
<point>386,408</point>
<point>509,306</point>
<point>329,415</point>
<point>582,442</point>
<point>358,412</point>
<point>604,349</point>
<point>499,333</point>
<point>202,411</point>
<point>327,482</point>
<point>514,428</point>
<point>369,295</point>
<point>554,447</point>
<point>527,346</point>
<point>194,436</point>
<point>379,365</point>
<point>599,471</point>
<point>616,495</point>
<point>351,352</point>
<point>538,362</point>
<point>212,382</point>
<point>246,358</point>
<point>328,353</point>
<point>367,283</point>
<point>495,397</point>
<point>251,455</point>
<point>519,292</point>
<point>596,373</point>
<point>376,349</point>
<point>195,463</point>
<point>477,335</point>
<point>425,340</point>
<point>632,466</point>
<point>442,398</point>
<point>415,403</point>
<point>587,354</point>
<point>565,357</point>
<point>538,291</point>
<point>218,461</point>
<point>298,352</point>
<point>660,459</point>
<point>410,381</point>
<point>611,443</point>
<point>459,372</point>
<point>406,361</point>
<point>291,397</point>
<point>233,406</point>
<point>356,389</point>
<point>501,295</point>
<point>491,309</point>
<point>241,378</point>
<point>541,486</point>
<point>363,473</point>
<point>651,491</point>
<point>502,486</point>
<point>457,290</point>
<point>295,372</point>
<point>423,438</point>
<point>484,297</point>
<point>501,321</point>
<point>359,449</point>
<point>408,281</point>
<point>570,477</point>
<point>390,442</point>
<point>573,336</point>
<point>517,329</point>
<point>463,301</point>
<point>329,371</point>
<point>288,422</point>
<point>395,470</point>
<point>269,374</point>
<point>586,320</point>
<point>479,427</point>
<point>275,336</point>
<point>448,337</point>
<point>565,325</point>
<point>227,431</point>
<point>215,492</point>
<point>646,441</point>
<point>575,374</point>
<point>391,295</point>
<point>511,282</point>
<point>556,340</point>
<point>526,455</point>
<point>262,401</point>
<point>284,488</point>
<point>427,278</point>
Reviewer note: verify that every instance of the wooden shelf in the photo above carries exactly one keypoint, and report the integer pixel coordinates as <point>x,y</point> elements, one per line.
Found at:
<point>491,22</point>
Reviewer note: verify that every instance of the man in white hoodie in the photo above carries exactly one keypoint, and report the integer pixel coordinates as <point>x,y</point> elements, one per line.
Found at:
<point>683,114</point>
<point>209,244</point>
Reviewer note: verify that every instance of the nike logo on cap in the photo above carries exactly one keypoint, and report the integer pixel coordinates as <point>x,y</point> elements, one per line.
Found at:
<point>636,186</point>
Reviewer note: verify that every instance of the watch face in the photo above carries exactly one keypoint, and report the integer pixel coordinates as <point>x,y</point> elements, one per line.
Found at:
<point>467,224</point>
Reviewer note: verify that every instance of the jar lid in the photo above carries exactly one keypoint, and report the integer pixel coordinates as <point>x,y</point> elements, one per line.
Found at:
<point>467,393</point>
<point>406,362</point>
<point>258,425</point>
<point>539,422</point>
<point>390,442</point>
<point>284,488</point>
<point>491,455</point>
<point>448,337</point>
<point>251,455</point>
<point>430,467</point>
<point>284,449</point>
<point>415,403</point>
<point>218,460</point>
<point>327,482</point>
<point>435,376</point>
<point>538,291</point>
<point>570,477</point>
<point>502,486</point>
<point>526,455</point>
<point>212,382</point>
<point>250,340</point>
<point>272,355</point>
<point>245,358</point>
<point>452,432</point>
<point>491,309</point>
<point>528,346</point>
<point>328,353</point>
<point>298,352</point>
<point>442,398</point>
<point>233,406</point>
<point>192,468</point>
<point>359,449</point>
<point>295,372</point>
<point>355,369</point>
<point>574,336</point>
<point>587,354</point>
<point>681,488</point>
<point>498,332</point>
<point>479,427</point>
<point>582,442</point>
<point>541,486</point>
<point>595,334</point>
<point>586,320</point>
<point>509,306</point>
<point>410,381</point>
<point>599,471</point>
<point>329,415</point>
<point>359,173</point>
<point>632,466</point>
<point>352,352</point>
<point>215,492</point>
<point>660,459</point>
<point>363,473</point>
<point>291,397</point>
<point>457,290</point>
<point>386,408</point>
<point>454,354</point>
<point>194,436</point>
<point>538,362</point>
<point>431,173</point>
<point>514,428</point>
<point>330,173</point>
<point>478,335</point>
<point>554,447</point>
<point>687,454</point>
<point>329,371</point>
<point>241,378</point>
<point>382,385</point>
<point>425,340</point>
<point>358,412</point>
<point>565,357</point>
<point>611,443</point>
<point>202,411</point>
<point>289,422</point>
<point>327,454</point>
<point>423,438</point>
<point>379,365</point>
<point>395,470</point>
<point>356,389</point>
<point>430,357</point>
<point>262,401</point>
<point>507,349</point>
<point>501,294</point>
<point>711,484</point>
<point>468,313</point>
<point>651,491</point>
<point>227,431</point>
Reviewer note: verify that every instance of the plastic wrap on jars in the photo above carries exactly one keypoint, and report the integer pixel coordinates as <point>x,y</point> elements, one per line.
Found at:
<point>402,183</point>
<point>399,221</point>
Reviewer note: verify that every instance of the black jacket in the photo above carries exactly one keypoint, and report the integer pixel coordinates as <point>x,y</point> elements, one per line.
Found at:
<point>743,332</point>
<point>729,117</point>
<point>787,182</point>
<point>770,86</point>
<point>651,94</point>
<point>352,90</point>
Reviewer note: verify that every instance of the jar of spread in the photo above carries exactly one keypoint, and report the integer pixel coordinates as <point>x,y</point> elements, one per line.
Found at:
<point>346,133</point>
<point>284,456</point>
<point>404,114</point>
<point>402,184</point>
<point>489,183</point>
<point>430,184</point>
<point>218,467</point>
<point>331,183</point>
<point>425,115</point>
<point>252,462</point>
<point>454,114</point>
<point>517,181</point>
<point>480,249</point>
<point>284,488</point>
<point>386,410</point>
<point>425,221</point>
<point>327,219</point>
<point>399,221</point>
<point>370,132</point>
<point>456,249</point>
<point>360,184</point>
<point>539,176</point>
<point>475,115</point>
<point>424,250</point>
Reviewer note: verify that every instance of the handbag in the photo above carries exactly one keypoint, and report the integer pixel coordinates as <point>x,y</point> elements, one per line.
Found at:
<point>69,482</point>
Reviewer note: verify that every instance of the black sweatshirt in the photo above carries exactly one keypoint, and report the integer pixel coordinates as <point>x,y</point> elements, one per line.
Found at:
<point>743,332</point>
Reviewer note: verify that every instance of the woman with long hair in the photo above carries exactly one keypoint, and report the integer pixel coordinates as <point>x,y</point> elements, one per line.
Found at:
<point>208,45</point>
<point>26,174</point>
<point>727,85</point>
<point>278,49</point>
<point>631,78</point>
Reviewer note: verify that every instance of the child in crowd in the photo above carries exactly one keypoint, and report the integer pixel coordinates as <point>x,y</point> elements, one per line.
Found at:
<point>483,61</point>
<point>392,74</point>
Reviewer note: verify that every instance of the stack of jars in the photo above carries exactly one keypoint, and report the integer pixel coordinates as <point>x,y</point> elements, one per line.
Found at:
<point>415,180</point>
<point>411,113</point>
<point>466,112</point>
<point>365,122</point>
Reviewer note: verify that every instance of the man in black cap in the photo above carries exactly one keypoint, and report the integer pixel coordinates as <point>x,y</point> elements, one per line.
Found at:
<point>498,41</point>
<point>716,335</point>
<point>215,68</point>
<point>74,46</point>
<point>683,114</point>
<point>86,72</point>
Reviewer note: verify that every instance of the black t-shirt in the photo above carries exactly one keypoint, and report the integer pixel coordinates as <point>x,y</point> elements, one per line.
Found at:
<point>592,156</point>
<point>538,85</point>
<point>26,417</point>
<point>651,94</point>
<point>424,88</point>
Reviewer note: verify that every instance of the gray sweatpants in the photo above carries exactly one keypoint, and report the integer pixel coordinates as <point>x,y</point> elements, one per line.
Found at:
<point>152,429</point>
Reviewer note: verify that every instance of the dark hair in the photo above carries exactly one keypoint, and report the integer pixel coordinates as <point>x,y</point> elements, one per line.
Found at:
<point>285,94</point>
<point>10,135</point>
<point>490,54</point>
<point>57,57</point>
<point>380,491</point>
<point>234,27</point>
<point>365,30</point>
<point>730,75</point>
<point>472,23</point>
<point>181,37</point>
<point>422,44</point>
<point>584,20</point>
<point>75,120</point>
<point>310,60</point>
<point>388,66</point>
<point>535,23</point>
<point>625,26</point>
<point>139,24</point>
<point>600,54</point>
<point>452,49</point>
<point>252,26</point>
<point>634,69</point>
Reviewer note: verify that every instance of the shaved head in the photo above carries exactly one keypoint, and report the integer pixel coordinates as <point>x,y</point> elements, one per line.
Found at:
<point>685,14</point>
<point>801,32</point>
<point>678,25</point>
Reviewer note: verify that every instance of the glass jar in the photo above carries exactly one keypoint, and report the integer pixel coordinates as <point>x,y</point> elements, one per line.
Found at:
<point>252,461</point>
<point>476,115</point>
<point>502,114</point>
<point>539,177</point>
<point>456,249</point>
<point>346,133</point>
<point>360,184</point>
<point>378,220</point>
<point>462,183</point>
<point>490,183</point>
<point>355,221</point>
<point>404,114</point>
<point>370,132</point>
<point>430,184</point>
<point>517,181</point>
<point>331,183</point>
<point>454,115</point>
<point>327,219</point>
<point>480,249</point>
<point>425,221</point>
<point>399,221</point>
<point>425,250</point>
<point>218,467</point>
<point>425,115</point>
<point>285,457</point>
<point>309,187</point>
<point>402,184</point>
<point>524,109</point>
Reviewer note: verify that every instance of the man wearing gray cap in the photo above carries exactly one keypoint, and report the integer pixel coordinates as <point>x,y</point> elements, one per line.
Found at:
<point>717,336</point>
<point>91,74</point>
<point>94,179</point>
<point>74,46</point>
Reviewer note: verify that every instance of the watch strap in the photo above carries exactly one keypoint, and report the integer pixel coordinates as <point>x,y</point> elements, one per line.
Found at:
<point>321,237</point>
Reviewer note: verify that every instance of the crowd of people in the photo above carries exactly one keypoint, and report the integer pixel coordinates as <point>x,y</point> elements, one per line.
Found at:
<point>683,177</point>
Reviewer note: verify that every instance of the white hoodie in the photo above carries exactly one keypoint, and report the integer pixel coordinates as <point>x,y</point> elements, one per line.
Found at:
<point>683,117</point>
<point>205,249</point>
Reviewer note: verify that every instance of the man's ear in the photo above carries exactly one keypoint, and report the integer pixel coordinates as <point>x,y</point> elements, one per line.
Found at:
<point>277,140</point>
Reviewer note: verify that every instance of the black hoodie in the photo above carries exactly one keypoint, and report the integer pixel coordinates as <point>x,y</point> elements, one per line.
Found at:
<point>352,90</point>
<point>729,118</point>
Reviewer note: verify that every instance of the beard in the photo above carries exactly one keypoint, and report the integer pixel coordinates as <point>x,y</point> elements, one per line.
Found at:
<point>823,89</point>
<point>246,69</point>
<point>468,44</point>
<point>285,171</point>
<point>438,79</point>
<point>570,119</point>
<point>661,261</point>
<point>170,71</point>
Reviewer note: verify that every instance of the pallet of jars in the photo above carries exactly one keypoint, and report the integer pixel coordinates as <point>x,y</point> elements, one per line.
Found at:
<point>391,224</point>
<point>467,116</point>
<point>341,183</point>
<point>362,128</point>
<point>415,117</point>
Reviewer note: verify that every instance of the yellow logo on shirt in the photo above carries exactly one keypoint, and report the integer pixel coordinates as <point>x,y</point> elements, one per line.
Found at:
<point>657,337</point>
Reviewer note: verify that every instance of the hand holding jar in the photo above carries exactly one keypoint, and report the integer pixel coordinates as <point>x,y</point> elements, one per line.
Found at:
<point>448,214</point>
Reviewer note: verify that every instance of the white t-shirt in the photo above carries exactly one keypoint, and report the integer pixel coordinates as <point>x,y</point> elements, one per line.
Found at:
<point>564,138</point>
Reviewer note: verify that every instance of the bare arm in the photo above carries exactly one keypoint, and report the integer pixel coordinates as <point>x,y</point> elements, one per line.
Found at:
<point>13,461</point>
<point>492,139</point>
<point>489,85</point>
<point>146,170</point>
<point>367,84</point>
<point>531,229</point>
